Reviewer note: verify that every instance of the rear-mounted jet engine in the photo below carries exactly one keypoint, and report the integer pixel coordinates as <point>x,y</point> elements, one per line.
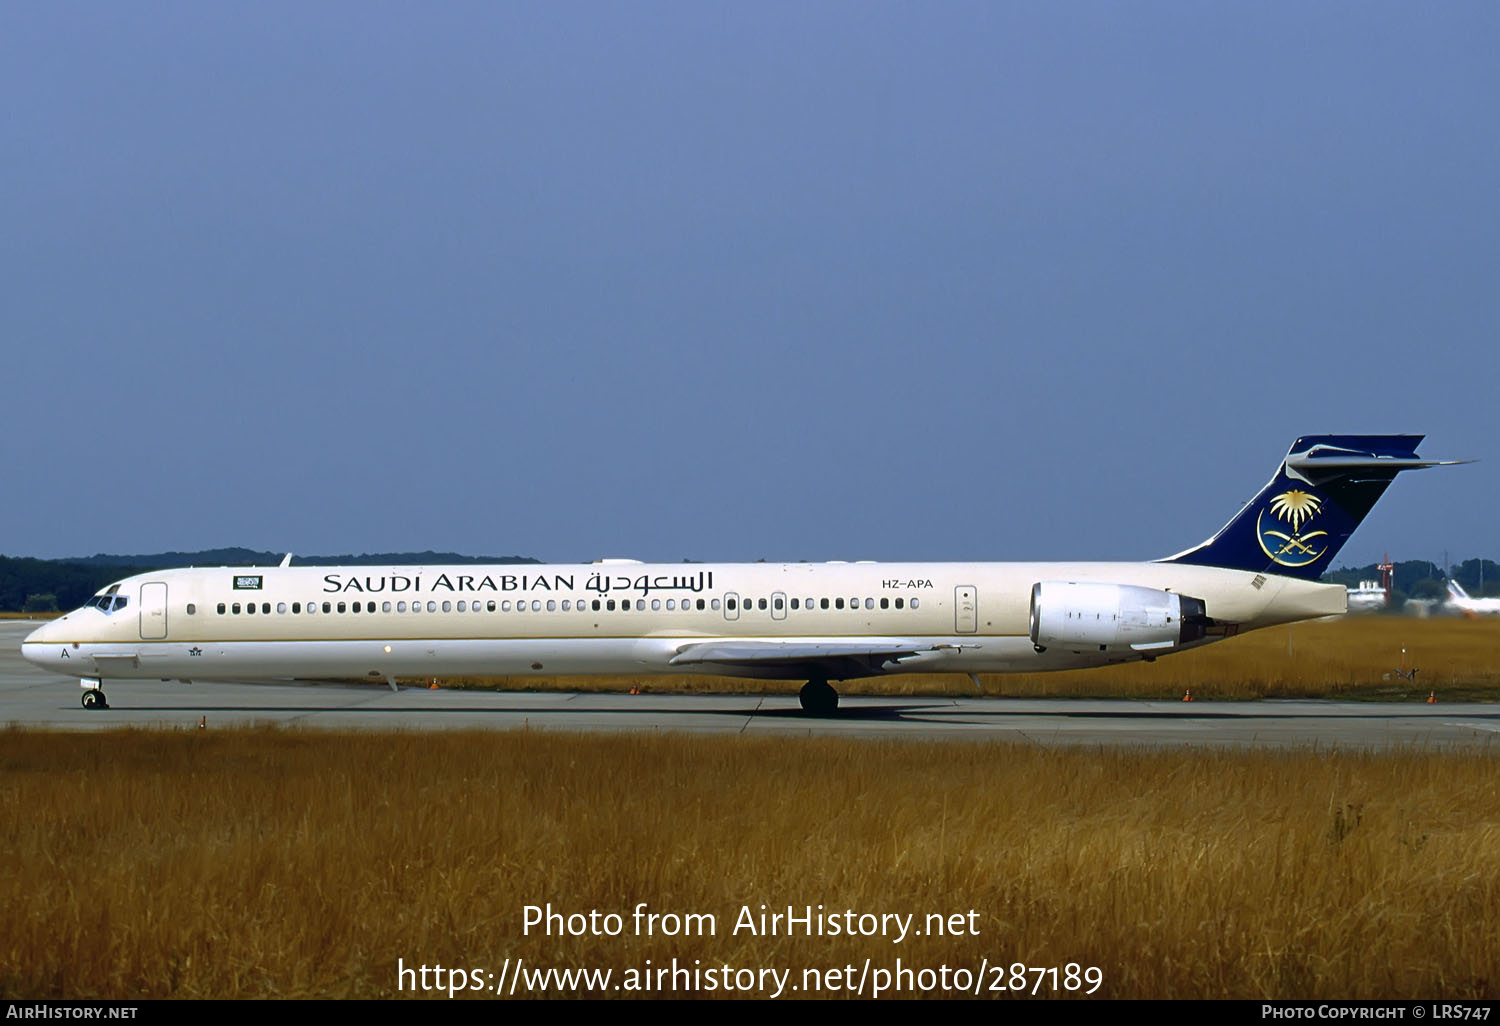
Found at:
<point>1082,616</point>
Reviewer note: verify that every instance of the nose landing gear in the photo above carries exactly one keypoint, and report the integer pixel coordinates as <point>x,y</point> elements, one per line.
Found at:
<point>93,693</point>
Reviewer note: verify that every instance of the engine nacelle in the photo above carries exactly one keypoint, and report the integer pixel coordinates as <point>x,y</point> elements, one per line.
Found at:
<point>1077,615</point>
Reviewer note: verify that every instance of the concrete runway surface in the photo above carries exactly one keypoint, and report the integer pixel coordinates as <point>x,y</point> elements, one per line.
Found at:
<point>30,697</point>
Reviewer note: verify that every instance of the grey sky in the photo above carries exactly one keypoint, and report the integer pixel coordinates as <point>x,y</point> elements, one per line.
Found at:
<point>832,280</point>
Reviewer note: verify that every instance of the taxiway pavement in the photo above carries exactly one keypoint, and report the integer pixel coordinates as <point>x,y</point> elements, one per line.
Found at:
<point>31,697</point>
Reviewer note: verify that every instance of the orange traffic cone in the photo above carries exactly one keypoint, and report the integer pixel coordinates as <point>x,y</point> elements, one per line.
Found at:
<point>635,689</point>
<point>1189,696</point>
<point>433,686</point>
<point>203,721</point>
<point>1432,698</point>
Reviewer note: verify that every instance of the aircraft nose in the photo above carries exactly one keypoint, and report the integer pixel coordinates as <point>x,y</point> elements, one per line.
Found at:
<point>36,644</point>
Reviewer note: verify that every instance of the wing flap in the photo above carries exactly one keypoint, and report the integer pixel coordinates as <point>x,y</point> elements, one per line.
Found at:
<point>750,652</point>
<point>834,659</point>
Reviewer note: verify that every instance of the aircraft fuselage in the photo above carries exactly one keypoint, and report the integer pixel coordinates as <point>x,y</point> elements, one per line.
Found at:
<point>534,620</point>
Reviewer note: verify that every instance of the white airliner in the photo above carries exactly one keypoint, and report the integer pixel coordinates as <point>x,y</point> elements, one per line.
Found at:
<point>816,622</point>
<point>1471,607</point>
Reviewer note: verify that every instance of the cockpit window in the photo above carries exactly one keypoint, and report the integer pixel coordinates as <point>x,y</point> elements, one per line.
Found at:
<point>108,602</point>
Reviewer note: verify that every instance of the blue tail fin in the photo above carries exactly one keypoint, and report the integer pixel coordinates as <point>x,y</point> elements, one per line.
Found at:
<point>1323,489</point>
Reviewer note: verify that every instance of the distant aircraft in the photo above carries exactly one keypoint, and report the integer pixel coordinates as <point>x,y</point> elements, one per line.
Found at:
<point>1369,597</point>
<point>1459,600</point>
<point>815,622</point>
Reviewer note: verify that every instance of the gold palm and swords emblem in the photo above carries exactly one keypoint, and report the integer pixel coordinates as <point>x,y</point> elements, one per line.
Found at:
<point>1296,508</point>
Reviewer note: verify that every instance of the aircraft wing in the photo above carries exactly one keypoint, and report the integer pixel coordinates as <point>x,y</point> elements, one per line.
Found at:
<point>835,659</point>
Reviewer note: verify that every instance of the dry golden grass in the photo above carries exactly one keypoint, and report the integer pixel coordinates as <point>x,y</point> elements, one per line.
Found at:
<point>303,864</point>
<point>1348,658</point>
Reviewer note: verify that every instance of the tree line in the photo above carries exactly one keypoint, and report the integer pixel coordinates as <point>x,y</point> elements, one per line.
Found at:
<point>48,585</point>
<point>29,585</point>
<point>1424,580</point>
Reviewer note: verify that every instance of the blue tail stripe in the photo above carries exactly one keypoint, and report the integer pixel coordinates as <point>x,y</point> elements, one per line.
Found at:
<point>1303,517</point>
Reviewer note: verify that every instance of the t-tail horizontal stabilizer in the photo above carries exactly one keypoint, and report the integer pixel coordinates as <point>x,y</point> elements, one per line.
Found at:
<point>1323,489</point>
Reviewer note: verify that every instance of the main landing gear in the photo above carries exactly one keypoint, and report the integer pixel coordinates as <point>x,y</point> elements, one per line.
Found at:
<point>93,698</point>
<point>819,698</point>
